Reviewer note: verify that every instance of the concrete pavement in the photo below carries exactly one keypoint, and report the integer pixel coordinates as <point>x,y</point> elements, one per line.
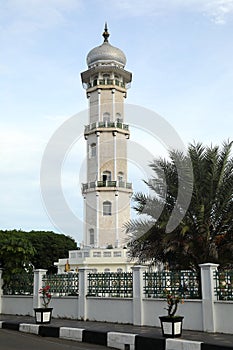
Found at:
<point>127,337</point>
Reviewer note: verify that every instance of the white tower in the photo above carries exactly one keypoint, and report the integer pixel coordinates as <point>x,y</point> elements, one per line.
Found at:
<point>107,191</point>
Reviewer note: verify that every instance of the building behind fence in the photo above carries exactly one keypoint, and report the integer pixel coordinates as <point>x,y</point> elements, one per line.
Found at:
<point>135,297</point>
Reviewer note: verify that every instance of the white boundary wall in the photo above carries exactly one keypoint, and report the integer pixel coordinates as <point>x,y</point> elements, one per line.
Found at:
<point>207,314</point>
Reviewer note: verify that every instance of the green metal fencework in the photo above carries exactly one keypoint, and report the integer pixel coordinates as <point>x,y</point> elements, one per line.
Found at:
<point>111,284</point>
<point>224,285</point>
<point>62,284</point>
<point>183,283</point>
<point>20,284</point>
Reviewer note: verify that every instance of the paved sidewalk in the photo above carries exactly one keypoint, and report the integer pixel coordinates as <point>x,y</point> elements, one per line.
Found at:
<point>151,332</point>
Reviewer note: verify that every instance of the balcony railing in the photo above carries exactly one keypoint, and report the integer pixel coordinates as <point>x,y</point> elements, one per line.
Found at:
<point>106,124</point>
<point>94,184</point>
<point>105,82</point>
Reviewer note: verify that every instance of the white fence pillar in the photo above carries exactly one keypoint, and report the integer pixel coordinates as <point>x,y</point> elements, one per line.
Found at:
<point>138,314</point>
<point>83,289</point>
<point>38,275</point>
<point>1,292</point>
<point>208,296</point>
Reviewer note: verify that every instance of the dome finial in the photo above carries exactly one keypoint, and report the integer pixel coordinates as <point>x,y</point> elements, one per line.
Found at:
<point>106,33</point>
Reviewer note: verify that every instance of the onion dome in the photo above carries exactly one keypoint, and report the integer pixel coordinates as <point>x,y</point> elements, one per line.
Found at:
<point>106,53</point>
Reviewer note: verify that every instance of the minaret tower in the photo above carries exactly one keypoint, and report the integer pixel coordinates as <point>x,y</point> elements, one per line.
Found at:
<point>107,191</point>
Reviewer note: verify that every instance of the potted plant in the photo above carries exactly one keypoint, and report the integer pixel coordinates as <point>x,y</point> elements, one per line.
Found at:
<point>172,324</point>
<point>44,314</point>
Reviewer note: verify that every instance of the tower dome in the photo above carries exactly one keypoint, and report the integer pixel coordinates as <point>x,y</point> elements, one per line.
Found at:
<point>106,53</point>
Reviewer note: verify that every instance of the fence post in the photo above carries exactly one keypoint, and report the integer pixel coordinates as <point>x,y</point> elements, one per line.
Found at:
<point>208,296</point>
<point>138,312</point>
<point>83,289</point>
<point>1,291</point>
<point>38,275</point>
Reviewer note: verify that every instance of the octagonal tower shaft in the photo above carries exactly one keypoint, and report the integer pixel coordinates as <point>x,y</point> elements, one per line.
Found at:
<point>107,191</point>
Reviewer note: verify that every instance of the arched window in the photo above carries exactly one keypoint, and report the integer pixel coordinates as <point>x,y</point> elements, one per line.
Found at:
<point>120,176</point>
<point>95,80</point>
<point>106,117</point>
<point>117,81</point>
<point>119,119</point>
<point>92,150</point>
<point>107,79</point>
<point>107,208</point>
<point>91,236</point>
<point>107,176</point>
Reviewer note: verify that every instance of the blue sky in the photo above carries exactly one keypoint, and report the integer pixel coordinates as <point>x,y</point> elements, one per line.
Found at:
<point>179,51</point>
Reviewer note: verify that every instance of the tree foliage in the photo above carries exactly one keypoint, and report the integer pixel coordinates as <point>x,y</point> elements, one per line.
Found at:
<point>49,247</point>
<point>15,254</point>
<point>38,249</point>
<point>205,232</point>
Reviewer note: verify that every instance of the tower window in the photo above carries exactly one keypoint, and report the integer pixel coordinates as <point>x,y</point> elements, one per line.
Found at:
<point>106,77</point>
<point>107,208</point>
<point>119,119</point>
<point>95,80</point>
<point>117,81</point>
<point>107,176</point>
<point>92,150</point>
<point>106,117</point>
<point>91,236</point>
<point>120,176</point>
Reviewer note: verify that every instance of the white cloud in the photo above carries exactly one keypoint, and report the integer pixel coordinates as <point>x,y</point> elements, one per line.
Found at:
<point>216,10</point>
<point>219,10</point>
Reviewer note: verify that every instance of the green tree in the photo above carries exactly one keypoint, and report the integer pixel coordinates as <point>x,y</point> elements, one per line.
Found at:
<point>42,248</point>
<point>205,230</point>
<point>49,247</point>
<point>15,254</point>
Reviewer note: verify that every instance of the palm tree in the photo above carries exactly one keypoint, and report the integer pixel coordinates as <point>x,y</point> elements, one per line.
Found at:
<point>197,189</point>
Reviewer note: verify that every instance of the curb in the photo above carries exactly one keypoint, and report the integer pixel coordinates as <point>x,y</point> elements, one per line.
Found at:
<point>117,340</point>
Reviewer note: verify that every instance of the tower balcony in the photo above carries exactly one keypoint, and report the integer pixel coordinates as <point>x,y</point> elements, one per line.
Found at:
<point>102,126</point>
<point>98,82</point>
<point>122,83</point>
<point>106,185</point>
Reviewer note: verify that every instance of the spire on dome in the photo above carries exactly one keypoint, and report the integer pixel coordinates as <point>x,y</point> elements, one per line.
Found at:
<point>106,52</point>
<point>106,33</point>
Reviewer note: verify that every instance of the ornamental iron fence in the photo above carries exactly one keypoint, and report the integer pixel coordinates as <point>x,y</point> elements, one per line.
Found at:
<point>111,284</point>
<point>183,283</point>
<point>223,285</point>
<point>20,284</point>
<point>63,284</point>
